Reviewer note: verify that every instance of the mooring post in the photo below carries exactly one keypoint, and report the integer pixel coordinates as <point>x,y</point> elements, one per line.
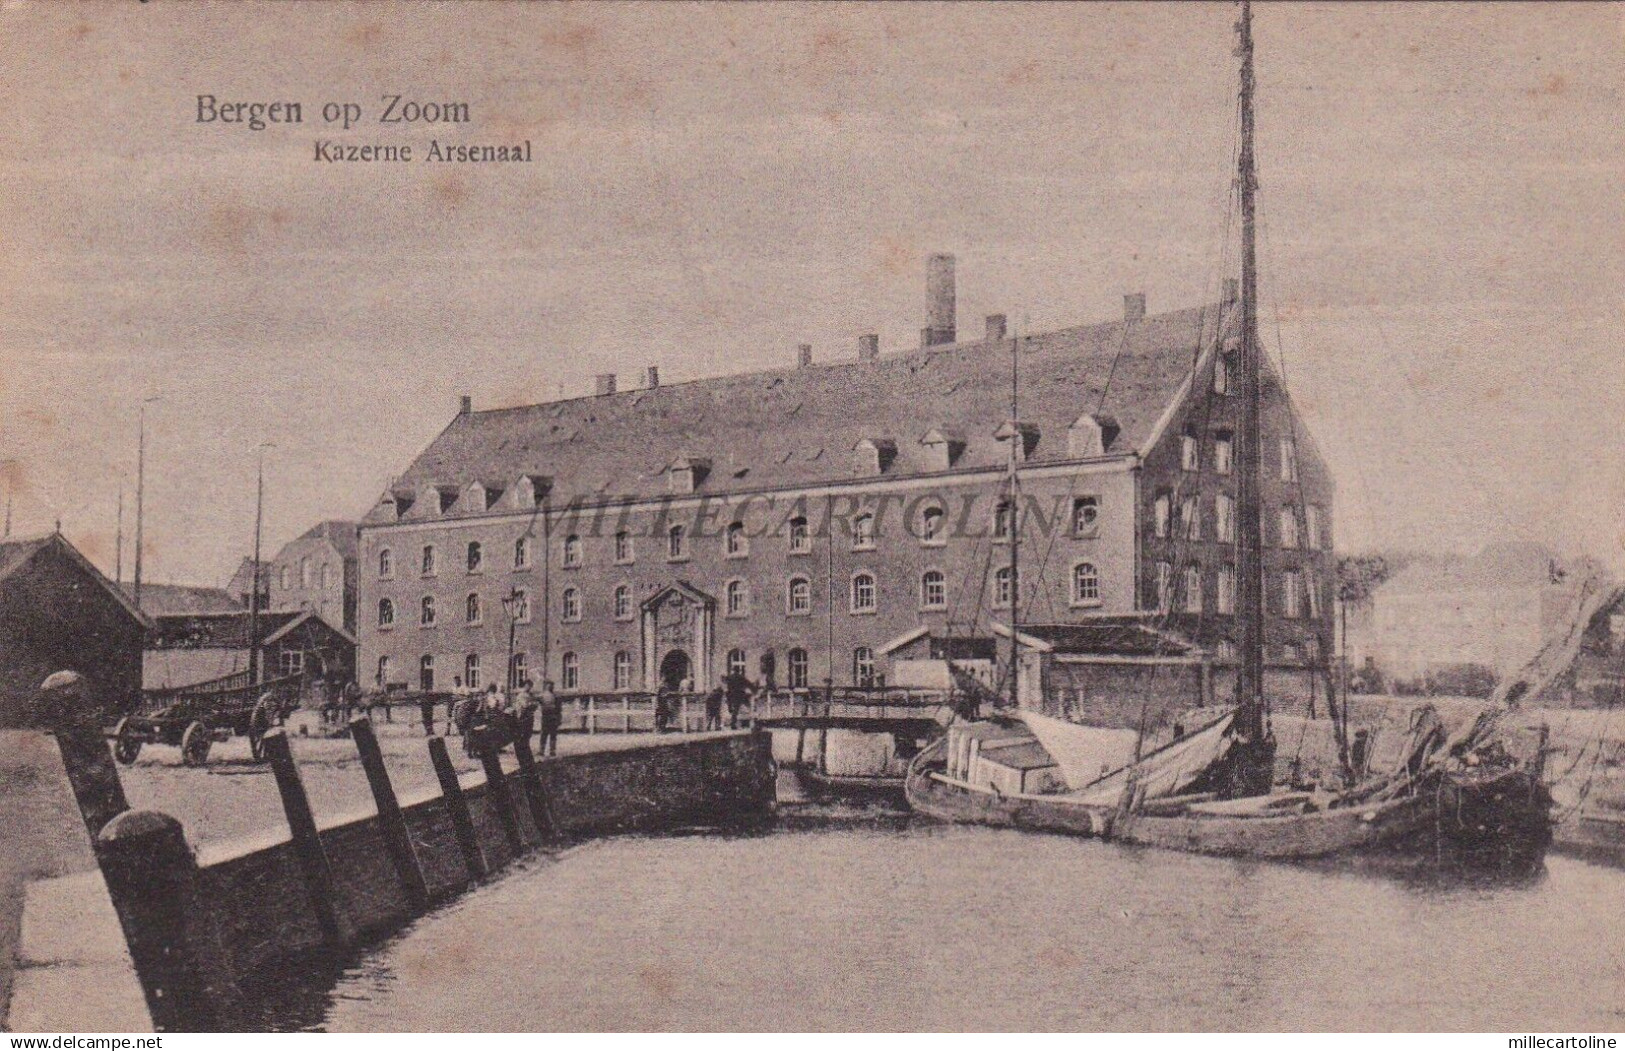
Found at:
<point>307,842</point>
<point>535,794</point>
<point>462,822</point>
<point>63,706</point>
<point>496,787</point>
<point>152,877</point>
<point>397,839</point>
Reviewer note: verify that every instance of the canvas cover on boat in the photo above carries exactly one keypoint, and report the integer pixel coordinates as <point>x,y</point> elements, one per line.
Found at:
<point>1169,771</point>
<point>1084,753</point>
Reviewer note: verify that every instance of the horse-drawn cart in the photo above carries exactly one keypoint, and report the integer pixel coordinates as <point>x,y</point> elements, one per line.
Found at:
<point>193,718</point>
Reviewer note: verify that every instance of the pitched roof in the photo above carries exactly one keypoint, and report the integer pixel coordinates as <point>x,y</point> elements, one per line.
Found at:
<point>18,552</point>
<point>166,599</point>
<point>340,533</point>
<point>798,426</point>
<point>1119,638</point>
<point>229,631</point>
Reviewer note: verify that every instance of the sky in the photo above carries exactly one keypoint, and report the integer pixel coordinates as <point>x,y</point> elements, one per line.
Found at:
<point>1442,250</point>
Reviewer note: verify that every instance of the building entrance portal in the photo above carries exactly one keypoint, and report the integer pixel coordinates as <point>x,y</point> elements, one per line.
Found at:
<point>675,669</point>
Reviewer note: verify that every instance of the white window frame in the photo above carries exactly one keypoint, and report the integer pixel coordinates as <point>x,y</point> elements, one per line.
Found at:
<point>427,613</point>
<point>1194,598</point>
<point>521,552</point>
<point>625,552</point>
<point>474,556</point>
<point>572,554</point>
<point>728,593</point>
<point>622,602</point>
<point>622,670</point>
<point>792,673</point>
<point>1291,594</point>
<point>872,606</point>
<point>1003,587</point>
<point>938,538</point>
<point>790,597</point>
<point>521,599</point>
<point>799,535</point>
<point>471,671</point>
<point>1079,600</point>
<point>735,544</point>
<point>429,561</point>
<point>569,597</point>
<point>926,602</point>
<point>473,600</point>
<point>1224,454</point>
<point>677,543</point>
<point>737,666</point>
<point>863,532</point>
<point>569,671</point>
<point>1088,506</point>
<point>386,614</point>
<point>386,564</point>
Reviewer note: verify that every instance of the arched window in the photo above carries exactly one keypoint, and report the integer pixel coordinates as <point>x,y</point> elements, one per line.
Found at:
<point>676,542</point>
<point>518,670</point>
<point>737,598</point>
<point>800,538</point>
<point>736,662</point>
<point>521,553</point>
<point>623,547</point>
<point>863,666</point>
<point>386,613</point>
<point>933,590</point>
<point>428,561</point>
<point>476,556</point>
<point>426,612</point>
<point>796,669</point>
<point>736,544</point>
<point>327,576</point>
<point>569,672</point>
<point>769,666</point>
<point>382,678</point>
<point>623,670</point>
<point>863,593</point>
<point>471,671</point>
<point>1002,590</point>
<point>386,563</point>
<point>521,606</point>
<point>798,602</point>
<point>623,602</point>
<point>570,604</point>
<point>471,608</point>
<point>1085,584</point>
<point>931,523</point>
<point>287,578</point>
<point>1193,589</point>
<point>572,551</point>
<point>426,673</point>
<point>863,532</point>
<point>304,572</point>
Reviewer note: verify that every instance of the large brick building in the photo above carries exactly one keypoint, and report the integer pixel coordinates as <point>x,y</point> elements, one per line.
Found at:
<point>797,523</point>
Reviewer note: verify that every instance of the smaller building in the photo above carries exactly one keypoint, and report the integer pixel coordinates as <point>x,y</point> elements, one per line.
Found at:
<point>315,571</point>
<point>160,600</point>
<point>59,613</point>
<point>186,649</point>
<point>241,587</point>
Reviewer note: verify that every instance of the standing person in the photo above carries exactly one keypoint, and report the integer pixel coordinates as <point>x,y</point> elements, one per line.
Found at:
<point>351,693</point>
<point>713,709</point>
<point>426,710</point>
<point>494,711</point>
<point>662,707</point>
<point>738,696</point>
<point>524,709</point>
<point>457,695</point>
<point>552,709</point>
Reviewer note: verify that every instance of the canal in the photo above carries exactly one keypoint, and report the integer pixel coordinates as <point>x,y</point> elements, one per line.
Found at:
<point>846,918</point>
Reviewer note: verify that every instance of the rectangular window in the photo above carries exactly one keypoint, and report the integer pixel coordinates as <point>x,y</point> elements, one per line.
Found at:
<point>1226,597</point>
<point>1223,453</point>
<point>1289,526</point>
<point>1224,518</point>
<point>1159,520</point>
<point>1193,589</point>
<point>1189,452</point>
<point>291,662</point>
<point>1311,527</point>
<point>1190,518</point>
<point>1311,591</point>
<point>1291,593</point>
<point>1085,516</point>
<point>428,560</point>
<point>1164,586</point>
<point>1289,460</point>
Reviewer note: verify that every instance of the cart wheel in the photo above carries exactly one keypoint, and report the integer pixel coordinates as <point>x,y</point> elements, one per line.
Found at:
<point>195,744</point>
<point>126,746</point>
<point>262,719</point>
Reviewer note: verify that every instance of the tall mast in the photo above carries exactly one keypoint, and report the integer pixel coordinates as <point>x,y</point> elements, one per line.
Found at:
<point>254,589</point>
<point>140,496</point>
<point>1250,678</point>
<point>1015,518</point>
<point>118,542</point>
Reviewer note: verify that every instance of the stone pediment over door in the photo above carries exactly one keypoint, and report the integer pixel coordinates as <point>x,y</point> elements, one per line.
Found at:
<point>681,617</point>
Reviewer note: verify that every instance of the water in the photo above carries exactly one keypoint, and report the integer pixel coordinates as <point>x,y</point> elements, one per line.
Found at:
<point>900,925</point>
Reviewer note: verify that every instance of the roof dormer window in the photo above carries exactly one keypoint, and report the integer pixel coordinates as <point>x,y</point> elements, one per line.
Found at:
<point>687,473</point>
<point>1023,435</point>
<point>529,490</point>
<point>943,447</point>
<point>875,455</point>
<point>1090,435</point>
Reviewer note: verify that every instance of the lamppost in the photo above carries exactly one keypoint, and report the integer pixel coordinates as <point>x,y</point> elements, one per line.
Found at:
<point>513,604</point>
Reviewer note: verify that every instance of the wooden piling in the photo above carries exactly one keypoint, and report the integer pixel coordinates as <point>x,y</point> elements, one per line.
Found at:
<point>152,878</point>
<point>391,822</point>
<point>307,842</point>
<point>64,707</point>
<point>535,794</point>
<point>462,822</point>
<point>496,787</point>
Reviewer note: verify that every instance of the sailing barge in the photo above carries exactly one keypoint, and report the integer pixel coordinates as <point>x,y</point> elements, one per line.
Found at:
<point>1465,798</point>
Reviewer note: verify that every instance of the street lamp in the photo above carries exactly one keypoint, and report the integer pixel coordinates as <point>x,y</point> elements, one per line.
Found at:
<point>513,604</point>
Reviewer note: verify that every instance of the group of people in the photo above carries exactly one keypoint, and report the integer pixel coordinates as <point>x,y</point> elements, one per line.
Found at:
<point>734,691</point>
<point>510,715</point>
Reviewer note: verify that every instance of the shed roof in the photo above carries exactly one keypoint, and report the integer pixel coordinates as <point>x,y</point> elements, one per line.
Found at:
<point>15,553</point>
<point>230,631</point>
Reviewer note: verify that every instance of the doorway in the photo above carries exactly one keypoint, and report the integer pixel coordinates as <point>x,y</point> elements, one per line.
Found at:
<point>675,668</point>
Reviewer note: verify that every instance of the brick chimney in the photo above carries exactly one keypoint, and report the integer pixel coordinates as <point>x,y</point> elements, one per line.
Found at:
<point>995,328</point>
<point>939,301</point>
<point>868,347</point>
<point>465,405</point>
<point>1134,306</point>
<point>605,383</point>
<point>803,355</point>
<point>651,377</point>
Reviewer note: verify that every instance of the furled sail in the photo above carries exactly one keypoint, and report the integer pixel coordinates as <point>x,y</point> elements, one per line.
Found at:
<point>1170,770</point>
<point>1084,753</point>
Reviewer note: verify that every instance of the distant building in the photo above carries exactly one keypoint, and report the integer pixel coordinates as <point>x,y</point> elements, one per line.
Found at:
<point>59,613</point>
<point>242,584</point>
<point>167,599</point>
<point>186,649</point>
<point>316,571</point>
<point>790,525</point>
<point>1492,609</point>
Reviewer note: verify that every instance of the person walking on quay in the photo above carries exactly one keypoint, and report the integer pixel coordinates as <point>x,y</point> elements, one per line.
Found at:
<point>713,709</point>
<point>458,693</point>
<point>426,710</point>
<point>738,690</point>
<point>552,709</point>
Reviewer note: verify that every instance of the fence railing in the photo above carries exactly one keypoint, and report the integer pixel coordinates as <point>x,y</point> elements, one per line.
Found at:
<point>636,712</point>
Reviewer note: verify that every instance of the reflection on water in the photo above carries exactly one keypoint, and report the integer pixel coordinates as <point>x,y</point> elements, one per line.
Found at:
<point>886,924</point>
